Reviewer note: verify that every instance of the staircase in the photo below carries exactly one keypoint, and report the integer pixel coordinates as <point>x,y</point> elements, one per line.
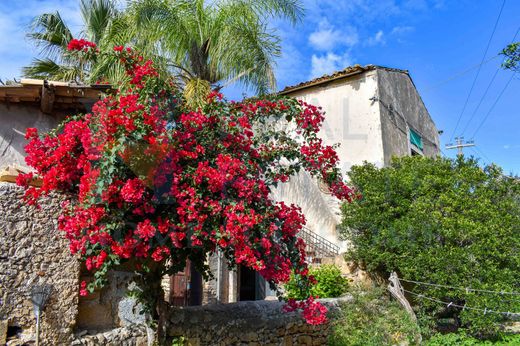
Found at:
<point>317,247</point>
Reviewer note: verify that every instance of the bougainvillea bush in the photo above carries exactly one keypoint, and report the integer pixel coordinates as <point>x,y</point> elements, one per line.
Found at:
<point>156,184</point>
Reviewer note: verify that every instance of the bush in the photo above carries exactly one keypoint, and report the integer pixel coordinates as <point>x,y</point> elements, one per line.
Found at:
<point>371,319</point>
<point>462,339</point>
<point>329,283</point>
<point>440,221</point>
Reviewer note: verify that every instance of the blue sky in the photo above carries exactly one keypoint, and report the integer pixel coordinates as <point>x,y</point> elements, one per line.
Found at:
<point>438,41</point>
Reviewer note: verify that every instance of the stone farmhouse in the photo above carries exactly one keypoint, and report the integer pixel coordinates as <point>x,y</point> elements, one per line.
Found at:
<point>373,112</point>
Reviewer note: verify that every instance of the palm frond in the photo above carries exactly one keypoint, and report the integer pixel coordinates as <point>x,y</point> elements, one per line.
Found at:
<point>50,34</point>
<point>196,93</point>
<point>50,70</point>
<point>288,9</point>
<point>97,16</point>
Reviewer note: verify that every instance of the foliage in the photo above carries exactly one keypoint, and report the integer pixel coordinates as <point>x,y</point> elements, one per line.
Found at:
<point>51,34</point>
<point>329,283</point>
<point>441,221</point>
<point>223,41</point>
<point>512,57</point>
<point>157,184</point>
<point>195,42</point>
<point>371,319</point>
<point>462,339</point>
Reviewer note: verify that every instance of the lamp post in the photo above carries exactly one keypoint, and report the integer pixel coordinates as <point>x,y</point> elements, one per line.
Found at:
<point>39,296</point>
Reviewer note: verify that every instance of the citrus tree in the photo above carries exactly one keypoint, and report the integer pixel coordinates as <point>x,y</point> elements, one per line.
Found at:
<point>444,222</point>
<point>155,184</point>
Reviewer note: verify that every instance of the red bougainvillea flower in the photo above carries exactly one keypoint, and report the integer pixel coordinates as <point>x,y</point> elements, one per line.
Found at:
<point>156,183</point>
<point>132,191</point>
<point>80,45</point>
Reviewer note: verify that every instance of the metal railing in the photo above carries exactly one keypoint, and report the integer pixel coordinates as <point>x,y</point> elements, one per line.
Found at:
<point>316,245</point>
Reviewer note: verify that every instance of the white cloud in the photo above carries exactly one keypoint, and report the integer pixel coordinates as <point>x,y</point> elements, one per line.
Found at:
<point>401,30</point>
<point>327,38</point>
<point>329,63</point>
<point>378,38</point>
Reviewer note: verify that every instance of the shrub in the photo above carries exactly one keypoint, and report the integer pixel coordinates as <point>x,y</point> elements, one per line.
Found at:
<point>154,183</point>
<point>441,221</point>
<point>329,283</point>
<point>371,319</point>
<point>462,339</point>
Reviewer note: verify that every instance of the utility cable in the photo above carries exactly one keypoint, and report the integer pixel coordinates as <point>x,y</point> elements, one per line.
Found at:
<point>493,106</point>
<point>478,71</point>
<point>488,87</point>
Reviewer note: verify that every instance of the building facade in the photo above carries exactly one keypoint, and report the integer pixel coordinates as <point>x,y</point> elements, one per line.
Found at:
<point>373,113</point>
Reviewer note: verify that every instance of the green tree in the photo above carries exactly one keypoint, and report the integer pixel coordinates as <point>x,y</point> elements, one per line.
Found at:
<point>51,34</point>
<point>222,42</point>
<point>512,57</point>
<point>441,221</point>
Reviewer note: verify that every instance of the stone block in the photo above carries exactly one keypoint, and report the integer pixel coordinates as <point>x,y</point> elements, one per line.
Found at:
<point>304,340</point>
<point>3,332</point>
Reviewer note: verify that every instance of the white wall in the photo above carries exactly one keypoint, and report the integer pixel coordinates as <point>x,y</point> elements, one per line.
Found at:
<point>14,120</point>
<point>351,120</point>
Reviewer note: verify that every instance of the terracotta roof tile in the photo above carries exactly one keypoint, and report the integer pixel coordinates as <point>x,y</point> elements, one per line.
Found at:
<point>349,71</point>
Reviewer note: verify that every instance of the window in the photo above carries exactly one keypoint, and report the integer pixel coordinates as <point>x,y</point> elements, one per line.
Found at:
<point>416,142</point>
<point>416,139</point>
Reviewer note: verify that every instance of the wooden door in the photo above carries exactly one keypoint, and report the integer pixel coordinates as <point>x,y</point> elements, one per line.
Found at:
<point>179,284</point>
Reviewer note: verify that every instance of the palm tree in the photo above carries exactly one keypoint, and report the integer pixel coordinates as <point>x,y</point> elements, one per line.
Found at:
<point>206,45</point>
<point>52,35</point>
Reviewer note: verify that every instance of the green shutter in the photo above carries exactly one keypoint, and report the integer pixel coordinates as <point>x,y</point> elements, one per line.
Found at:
<point>416,139</point>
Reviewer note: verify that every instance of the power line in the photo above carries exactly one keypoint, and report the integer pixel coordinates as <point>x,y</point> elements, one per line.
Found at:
<point>467,289</point>
<point>483,154</point>
<point>458,74</point>
<point>493,106</point>
<point>463,307</point>
<point>478,71</point>
<point>480,102</point>
<point>488,87</point>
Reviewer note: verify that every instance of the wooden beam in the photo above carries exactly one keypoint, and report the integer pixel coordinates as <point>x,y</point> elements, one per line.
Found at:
<point>48,96</point>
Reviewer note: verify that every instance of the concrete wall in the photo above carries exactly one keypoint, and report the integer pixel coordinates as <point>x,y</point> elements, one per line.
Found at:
<point>351,120</point>
<point>32,251</point>
<point>402,108</point>
<point>14,120</point>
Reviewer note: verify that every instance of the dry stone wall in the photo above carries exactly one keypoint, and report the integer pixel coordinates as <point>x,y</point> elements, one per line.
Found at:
<point>247,323</point>
<point>33,251</point>
<point>131,335</point>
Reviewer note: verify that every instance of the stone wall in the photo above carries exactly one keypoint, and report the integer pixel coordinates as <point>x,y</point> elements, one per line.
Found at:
<point>32,251</point>
<point>131,335</point>
<point>109,307</point>
<point>247,323</point>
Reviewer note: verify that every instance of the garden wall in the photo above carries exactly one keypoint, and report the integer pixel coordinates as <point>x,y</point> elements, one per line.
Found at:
<point>247,323</point>
<point>32,251</point>
<point>259,323</point>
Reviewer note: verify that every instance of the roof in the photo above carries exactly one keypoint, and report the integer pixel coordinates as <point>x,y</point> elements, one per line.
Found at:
<point>345,73</point>
<point>52,95</point>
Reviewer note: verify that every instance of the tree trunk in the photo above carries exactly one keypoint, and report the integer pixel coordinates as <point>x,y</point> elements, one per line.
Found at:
<point>152,296</point>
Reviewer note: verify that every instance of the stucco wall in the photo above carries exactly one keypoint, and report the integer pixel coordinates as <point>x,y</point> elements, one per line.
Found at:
<point>402,108</point>
<point>351,120</point>
<point>32,251</point>
<point>14,120</point>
